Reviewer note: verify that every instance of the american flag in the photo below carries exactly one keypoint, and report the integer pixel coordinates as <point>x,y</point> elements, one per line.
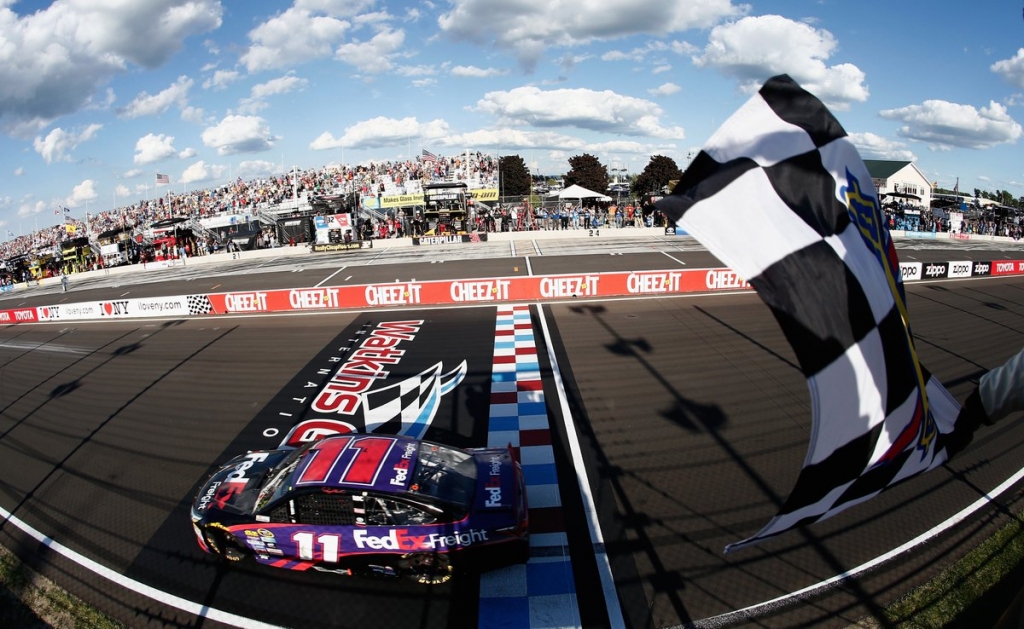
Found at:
<point>427,156</point>
<point>162,178</point>
<point>780,195</point>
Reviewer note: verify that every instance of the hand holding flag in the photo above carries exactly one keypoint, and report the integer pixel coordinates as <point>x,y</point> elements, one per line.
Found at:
<point>780,195</point>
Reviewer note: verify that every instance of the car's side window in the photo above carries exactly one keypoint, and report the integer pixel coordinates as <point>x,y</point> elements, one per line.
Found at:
<point>325,509</point>
<point>381,511</point>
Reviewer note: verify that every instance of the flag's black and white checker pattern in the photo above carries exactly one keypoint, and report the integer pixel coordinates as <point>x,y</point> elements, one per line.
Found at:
<point>780,195</point>
<point>199,305</point>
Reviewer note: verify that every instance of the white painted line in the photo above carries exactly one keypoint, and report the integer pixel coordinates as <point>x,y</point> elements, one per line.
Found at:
<point>197,609</point>
<point>321,282</point>
<point>728,619</point>
<point>536,247</point>
<point>512,248</point>
<point>529,267</point>
<point>604,568</point>
<point>671,257</point>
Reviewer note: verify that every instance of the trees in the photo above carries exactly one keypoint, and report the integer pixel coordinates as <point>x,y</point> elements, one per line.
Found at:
<point>656,175</point>
<point>515,176</point>
<point>587,171</point>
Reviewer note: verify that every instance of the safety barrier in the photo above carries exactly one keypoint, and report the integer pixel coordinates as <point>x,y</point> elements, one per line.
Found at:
<point>455,292</point>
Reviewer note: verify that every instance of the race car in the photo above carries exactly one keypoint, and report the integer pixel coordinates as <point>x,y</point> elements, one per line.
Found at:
<point>368,504</point>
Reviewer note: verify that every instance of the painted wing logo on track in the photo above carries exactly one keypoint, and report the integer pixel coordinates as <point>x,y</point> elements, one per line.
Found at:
<point>412,403</point>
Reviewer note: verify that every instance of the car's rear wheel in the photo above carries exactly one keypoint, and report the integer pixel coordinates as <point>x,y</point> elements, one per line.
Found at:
<point>426,568</point>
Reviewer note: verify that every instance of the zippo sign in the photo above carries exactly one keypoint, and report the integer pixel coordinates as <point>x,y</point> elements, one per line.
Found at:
<point>910,271</point>
<point>960,269</point>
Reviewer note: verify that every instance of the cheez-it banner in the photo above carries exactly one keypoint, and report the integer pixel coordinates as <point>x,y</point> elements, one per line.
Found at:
<point>454,292</point>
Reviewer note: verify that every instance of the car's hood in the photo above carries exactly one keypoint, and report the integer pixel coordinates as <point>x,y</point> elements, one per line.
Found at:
<point>233,488</point>
<point>496,481</point>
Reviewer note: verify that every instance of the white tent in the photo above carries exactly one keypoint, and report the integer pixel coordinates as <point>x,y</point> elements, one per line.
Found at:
<point>579,192</point>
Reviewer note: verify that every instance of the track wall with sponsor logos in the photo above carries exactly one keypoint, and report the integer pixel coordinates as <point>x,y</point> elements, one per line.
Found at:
<point>494,290</point>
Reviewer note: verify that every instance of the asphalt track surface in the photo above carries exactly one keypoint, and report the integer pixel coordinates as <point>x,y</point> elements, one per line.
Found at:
<point>691,412</point>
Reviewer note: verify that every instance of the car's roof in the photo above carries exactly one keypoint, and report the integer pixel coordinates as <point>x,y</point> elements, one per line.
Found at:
<point>358,462</point>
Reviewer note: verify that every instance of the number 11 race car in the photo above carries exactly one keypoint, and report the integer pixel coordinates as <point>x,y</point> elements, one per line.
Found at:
<point>368,504</point>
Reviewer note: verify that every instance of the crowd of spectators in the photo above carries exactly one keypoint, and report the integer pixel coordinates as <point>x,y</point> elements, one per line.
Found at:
<point>390,178</point>
<point>913,218</point>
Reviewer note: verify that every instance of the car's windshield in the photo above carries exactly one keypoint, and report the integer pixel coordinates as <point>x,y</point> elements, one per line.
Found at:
<point>445,473</point>
<point>274,486</point>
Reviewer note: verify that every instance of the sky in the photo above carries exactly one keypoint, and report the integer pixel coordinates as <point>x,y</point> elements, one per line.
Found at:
<point>97,97</point>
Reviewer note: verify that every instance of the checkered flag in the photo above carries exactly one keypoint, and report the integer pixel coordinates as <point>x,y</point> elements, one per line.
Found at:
<point>199,305</point>
<point>780,195</point>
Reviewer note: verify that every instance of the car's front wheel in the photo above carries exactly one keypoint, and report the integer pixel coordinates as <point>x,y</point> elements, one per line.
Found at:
<point>426,568</point>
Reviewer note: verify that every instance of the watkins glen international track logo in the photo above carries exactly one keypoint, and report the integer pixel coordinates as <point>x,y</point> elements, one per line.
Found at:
<point>363,394</point>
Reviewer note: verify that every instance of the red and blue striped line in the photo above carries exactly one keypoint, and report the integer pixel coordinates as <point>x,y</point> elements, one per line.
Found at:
<point>540,594</point>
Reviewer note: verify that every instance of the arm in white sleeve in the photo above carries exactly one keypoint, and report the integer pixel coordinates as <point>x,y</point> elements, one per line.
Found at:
<point>1002,389</point>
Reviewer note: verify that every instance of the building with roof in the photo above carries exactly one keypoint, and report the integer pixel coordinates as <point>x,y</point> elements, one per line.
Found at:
<point>899,181</point>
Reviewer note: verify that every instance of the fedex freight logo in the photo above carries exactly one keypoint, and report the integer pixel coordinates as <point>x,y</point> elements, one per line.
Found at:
<point>647,283</point>
<point>246,302</point>
<point>114,308</point>
<point>313,298</point>
<point>480,290</point>
<point>234,483</point>
<point>718,279</point>
<point>403,539</point>
<point>569,286</point>
<point>357,386</point>
<point>493,484</point>
<point>398,294</point>
<point>402,467</point>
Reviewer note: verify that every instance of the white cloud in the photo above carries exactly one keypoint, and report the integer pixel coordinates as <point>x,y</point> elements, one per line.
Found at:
<point>85,191</point>
<point>379,132</point>
<point>665,89</point>
<point>755,48</point>
<point>474,72</point>
<point>58,142</point>
<point>187,153</point>
<point>259,93</point>
<point>146,105</point>
<point>872,146</point>
<point>299,34</point>
<point>374,56</point>
<point>529,28</point>
<point>1011,69</point>
<point>54,60</point>
<point>239,134</point>
<point>944,125</point>
<point>121,191</point>
<point>31,208</point>
<point>201,171</point>
<point>221,79</point>
<point>19,171</point>
<point>152,148</point>
<point>134,172</point>
<point>603,111</point>
<point>252,169</point>
<point>192,114</point>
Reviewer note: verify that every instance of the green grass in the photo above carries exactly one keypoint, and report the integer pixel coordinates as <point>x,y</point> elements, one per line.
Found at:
<point>985,581</point>
<point>30,601</point>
